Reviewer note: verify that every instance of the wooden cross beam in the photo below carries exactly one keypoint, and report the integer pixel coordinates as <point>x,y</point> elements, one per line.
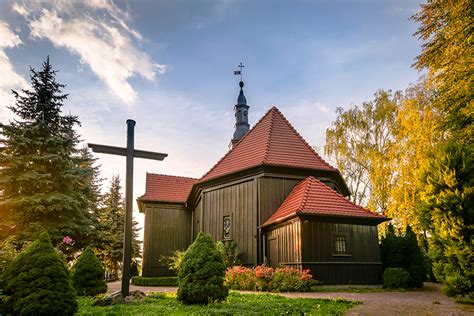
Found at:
<point>130,152</point>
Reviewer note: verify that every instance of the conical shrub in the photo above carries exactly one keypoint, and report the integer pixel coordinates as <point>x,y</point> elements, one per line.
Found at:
<point>88,275</point>
<point>38,282</point>
<point>201,275</point>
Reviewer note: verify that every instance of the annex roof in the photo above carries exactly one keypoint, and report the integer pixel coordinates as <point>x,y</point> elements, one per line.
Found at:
<point>272,141</point>
<point>312,197</point>
<point>165,188</point>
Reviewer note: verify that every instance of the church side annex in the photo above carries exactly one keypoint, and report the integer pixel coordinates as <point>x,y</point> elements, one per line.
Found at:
<point>275,197</point>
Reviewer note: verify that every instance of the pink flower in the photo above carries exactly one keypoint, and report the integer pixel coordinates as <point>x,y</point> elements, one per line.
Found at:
<point>68,240</point>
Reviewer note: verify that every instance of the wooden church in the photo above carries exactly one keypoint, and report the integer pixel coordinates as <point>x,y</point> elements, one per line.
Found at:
<point>275,197</point>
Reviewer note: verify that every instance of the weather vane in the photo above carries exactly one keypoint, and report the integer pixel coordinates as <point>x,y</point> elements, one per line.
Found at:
<point>239,72</point>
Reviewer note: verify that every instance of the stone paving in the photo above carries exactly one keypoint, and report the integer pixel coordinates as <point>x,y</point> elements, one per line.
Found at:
<point>427,301</point>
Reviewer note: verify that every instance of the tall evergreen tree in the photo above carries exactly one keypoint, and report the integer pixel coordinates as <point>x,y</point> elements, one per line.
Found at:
<point>448,192</point>
<point>448,204</point>
<point>92,194</point>
<point>112,222</point>
<point>41,178</point>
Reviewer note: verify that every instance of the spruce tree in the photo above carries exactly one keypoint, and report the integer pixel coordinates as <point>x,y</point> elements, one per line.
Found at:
<point>201,275</point>
<point>41,177</point>
<point>112,220</point>
<point>38,282</point>
<point>88,275</point>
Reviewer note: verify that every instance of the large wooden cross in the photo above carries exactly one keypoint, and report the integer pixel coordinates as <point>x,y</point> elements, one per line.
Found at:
<point>130,152</point>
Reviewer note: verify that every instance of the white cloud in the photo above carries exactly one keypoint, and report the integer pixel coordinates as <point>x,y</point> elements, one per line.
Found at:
<point>9,78</point>
<point>99,33</point>
<point>311,119</point>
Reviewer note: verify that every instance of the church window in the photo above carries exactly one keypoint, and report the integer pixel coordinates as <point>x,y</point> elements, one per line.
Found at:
<point>340,246</point>
<point>227,226</point>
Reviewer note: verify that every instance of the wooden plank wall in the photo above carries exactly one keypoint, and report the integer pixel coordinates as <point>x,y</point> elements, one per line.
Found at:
<point>318,242</point>
<point>289,243</point>
<point>197,219</point>
<point>362,266</point>
<point>272,193</point>
<point>240,202</point>
<point>167,228</point>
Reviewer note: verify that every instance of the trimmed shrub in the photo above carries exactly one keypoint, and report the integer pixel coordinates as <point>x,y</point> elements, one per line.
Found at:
<point>287,279</point>
<point>88,275</point>
<point>241,278</point>
<point>38,282</point>
<point>395,278</point>
<point>201,275</point>
<point>230,253</point>
<point>161,281</point>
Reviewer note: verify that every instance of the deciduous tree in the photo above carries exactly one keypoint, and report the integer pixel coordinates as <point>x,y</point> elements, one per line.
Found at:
<point>360,140</point>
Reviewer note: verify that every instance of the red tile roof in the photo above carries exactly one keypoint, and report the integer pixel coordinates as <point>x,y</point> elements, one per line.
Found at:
<point>313,197</point>
<point>272,141</point>
<point>164,188</point>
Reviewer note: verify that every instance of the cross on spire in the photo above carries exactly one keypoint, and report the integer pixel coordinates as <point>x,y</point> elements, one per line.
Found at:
<point>239,72</point>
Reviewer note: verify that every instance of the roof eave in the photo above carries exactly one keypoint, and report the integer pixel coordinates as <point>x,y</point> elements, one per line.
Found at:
<point>141,201</point>
<point>369,218</point>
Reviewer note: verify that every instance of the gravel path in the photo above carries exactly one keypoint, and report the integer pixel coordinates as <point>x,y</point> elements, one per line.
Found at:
<point>427,301</point>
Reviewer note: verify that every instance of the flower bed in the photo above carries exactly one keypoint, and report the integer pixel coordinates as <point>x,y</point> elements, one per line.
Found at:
<point>263,278</point>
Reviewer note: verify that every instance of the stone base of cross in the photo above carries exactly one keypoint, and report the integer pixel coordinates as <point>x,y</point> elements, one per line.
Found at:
<point>130,152</point>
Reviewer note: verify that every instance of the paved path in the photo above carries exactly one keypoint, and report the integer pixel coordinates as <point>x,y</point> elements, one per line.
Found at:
<point>427,301</point>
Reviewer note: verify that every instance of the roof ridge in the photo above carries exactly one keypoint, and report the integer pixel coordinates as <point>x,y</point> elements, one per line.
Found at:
<point>307,186</point>
<point>236,145</point>
<point>302,139</point>
<point>170,175</point>
<point>267,145</point>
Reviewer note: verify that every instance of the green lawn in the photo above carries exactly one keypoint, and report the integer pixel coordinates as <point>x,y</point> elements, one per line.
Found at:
<point>237,304</point>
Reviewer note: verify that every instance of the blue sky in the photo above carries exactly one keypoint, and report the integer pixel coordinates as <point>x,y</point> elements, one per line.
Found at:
<point>169,65</point>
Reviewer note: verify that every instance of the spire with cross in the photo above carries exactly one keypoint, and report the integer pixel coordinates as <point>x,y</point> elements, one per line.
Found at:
<point>239,72</point>
<point>241,112</point>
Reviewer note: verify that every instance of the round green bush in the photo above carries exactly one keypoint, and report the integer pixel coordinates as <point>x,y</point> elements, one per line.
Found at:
<point>395,278</point>
<point>38,282</point>
<point>201,275</point>
<point>88,275</point>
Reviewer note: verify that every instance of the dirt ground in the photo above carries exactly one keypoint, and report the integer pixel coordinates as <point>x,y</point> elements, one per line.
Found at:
<point>427,301</point>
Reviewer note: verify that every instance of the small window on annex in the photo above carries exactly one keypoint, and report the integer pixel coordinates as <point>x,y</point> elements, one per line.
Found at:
<point>227,224</point>
<point>340,246</point>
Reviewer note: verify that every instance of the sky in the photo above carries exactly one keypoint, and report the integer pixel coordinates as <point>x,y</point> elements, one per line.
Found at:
<point>169,66</point>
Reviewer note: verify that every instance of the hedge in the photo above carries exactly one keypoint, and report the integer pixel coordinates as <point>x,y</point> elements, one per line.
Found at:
<point>161,281</point>
<point>396,278</point>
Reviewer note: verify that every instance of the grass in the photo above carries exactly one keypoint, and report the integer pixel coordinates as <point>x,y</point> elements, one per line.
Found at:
<point>161,281</point>
<point>237,304</point>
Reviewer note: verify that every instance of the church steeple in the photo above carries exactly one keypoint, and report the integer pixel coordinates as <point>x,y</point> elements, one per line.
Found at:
<point>241,110</point>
